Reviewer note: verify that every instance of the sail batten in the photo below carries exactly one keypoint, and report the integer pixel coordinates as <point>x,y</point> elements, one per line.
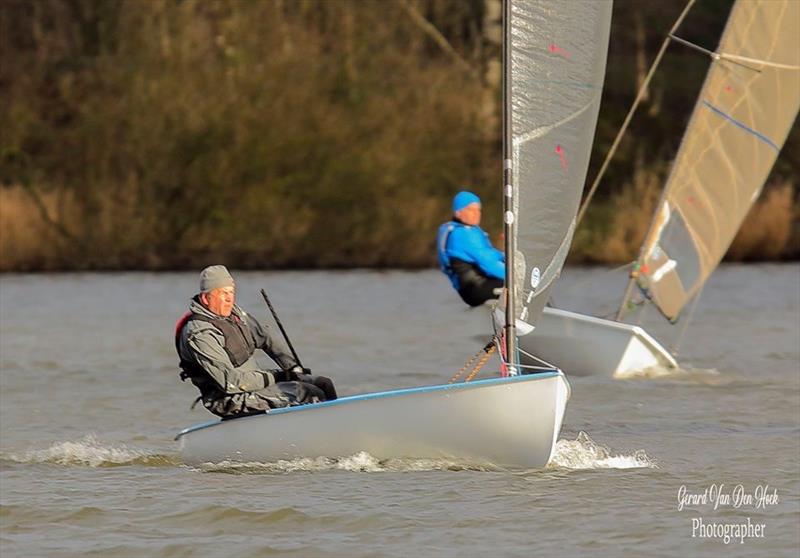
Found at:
<point>738,126</point>
<point>557,57</point>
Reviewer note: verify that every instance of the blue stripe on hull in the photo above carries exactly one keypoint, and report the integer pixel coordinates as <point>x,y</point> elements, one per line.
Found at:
<point>381,395</point>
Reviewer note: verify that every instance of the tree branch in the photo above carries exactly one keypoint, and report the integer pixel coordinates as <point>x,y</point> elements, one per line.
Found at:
<point>45,215</point>
<point>429,29</point>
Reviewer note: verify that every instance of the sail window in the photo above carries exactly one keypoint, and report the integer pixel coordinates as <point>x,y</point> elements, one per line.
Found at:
<point>677,242</point>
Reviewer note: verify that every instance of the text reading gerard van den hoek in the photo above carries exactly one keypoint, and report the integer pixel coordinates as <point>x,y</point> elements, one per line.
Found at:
<point>717,497</point>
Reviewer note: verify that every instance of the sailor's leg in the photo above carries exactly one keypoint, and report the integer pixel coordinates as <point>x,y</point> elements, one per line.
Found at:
<point>248,403</point>
<point>479,289</point>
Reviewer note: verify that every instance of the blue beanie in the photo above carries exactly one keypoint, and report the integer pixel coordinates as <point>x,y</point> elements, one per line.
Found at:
<point>463,199</point>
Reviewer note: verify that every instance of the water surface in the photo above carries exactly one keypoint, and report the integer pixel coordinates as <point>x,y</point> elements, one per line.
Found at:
<point>90,402</point>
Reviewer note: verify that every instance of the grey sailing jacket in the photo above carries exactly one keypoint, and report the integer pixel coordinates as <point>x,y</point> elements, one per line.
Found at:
<point>200,342</point>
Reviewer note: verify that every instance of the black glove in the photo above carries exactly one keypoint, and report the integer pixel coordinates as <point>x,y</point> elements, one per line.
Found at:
<point>285,376</point>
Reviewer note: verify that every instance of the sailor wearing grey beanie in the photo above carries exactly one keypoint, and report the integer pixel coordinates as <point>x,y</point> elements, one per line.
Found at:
<point>216,341</point>
<point>215,277</point>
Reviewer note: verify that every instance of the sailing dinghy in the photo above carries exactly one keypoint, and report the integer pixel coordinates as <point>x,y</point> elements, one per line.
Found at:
<point>741,119</point>
<point>502,421</point>
<point>554,67</point>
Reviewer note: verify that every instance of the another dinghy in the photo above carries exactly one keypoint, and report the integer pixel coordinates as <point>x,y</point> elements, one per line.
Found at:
<point>741,119</point>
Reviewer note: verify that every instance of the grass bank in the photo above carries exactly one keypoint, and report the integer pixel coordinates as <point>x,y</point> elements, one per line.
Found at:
<point>47,233</point>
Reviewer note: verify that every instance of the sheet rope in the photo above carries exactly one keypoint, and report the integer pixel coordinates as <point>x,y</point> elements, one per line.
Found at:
<point>482,357</point>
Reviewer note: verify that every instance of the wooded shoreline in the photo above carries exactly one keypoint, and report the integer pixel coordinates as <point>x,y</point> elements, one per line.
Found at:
<point>165,135</point>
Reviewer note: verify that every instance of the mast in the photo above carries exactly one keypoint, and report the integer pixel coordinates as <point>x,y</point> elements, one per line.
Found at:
<point>628,290</point>
<point>509,223</point>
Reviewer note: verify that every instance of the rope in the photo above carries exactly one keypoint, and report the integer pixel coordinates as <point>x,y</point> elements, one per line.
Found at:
<point>488,349</point>
<point>682,331</point>
<point>644,309</point>
<point>480,364</point>
<point>624,127</point>
<point>467,364</point>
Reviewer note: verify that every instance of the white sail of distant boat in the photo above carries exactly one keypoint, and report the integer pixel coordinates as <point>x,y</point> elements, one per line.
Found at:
<point>553,85</point>
<point>740,121</point>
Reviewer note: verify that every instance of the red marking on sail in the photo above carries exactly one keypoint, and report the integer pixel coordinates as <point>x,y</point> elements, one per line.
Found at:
<point>555,49</point>
<point>562,157</point>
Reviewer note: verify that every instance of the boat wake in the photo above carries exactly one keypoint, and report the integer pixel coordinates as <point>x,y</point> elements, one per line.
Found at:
<point>585,453</point>
<point>90,452</point>
<point>581,453</point>
<point>361,462</point>
<point>710,376</point>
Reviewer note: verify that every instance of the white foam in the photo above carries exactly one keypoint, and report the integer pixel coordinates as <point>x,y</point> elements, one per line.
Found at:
<point>87,451</point>
<point>584,453</point>
<point>697,375</point>
<point>650,372</point>
<point>581,453</point>
<point>361,462</point>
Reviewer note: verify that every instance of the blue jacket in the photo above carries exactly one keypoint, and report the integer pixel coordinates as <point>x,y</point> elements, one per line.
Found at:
<point>469,244</point>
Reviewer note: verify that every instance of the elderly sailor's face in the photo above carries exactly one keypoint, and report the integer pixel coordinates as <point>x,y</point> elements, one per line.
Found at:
<point>220,301</point>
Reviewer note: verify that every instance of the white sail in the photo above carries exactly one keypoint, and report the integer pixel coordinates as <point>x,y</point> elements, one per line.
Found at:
<point>557,53</point>
<point>742,117</point>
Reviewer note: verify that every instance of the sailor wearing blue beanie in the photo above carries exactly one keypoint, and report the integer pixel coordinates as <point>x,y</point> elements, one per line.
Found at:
<point>463,199</point>
<point>476,269</point>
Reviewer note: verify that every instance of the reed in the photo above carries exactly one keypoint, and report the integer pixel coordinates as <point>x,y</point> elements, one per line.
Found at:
<point>26,242</point>
<point>767,231</point>
<point>615,228</point>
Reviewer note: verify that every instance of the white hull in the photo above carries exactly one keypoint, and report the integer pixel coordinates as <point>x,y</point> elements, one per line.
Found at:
<point>510,422</point>
<point>584,345</point>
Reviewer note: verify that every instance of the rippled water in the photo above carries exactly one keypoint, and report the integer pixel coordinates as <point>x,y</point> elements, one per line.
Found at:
<point>90,402</point>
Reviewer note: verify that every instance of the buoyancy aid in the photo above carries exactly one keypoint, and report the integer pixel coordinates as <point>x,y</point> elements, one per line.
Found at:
<point>239,343</point>
<point>441,249</point>
<point>461,272</point>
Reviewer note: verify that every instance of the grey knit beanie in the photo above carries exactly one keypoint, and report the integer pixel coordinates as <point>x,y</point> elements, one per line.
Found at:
<point>214,277</point>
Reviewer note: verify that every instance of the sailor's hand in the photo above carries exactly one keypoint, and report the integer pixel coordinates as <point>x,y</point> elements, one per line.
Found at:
<point>286,375</point>
<point>300,370</point>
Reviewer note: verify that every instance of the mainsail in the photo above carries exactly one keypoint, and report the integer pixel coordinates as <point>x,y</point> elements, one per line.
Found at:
<point>556,59</point>
<point>742,117</point>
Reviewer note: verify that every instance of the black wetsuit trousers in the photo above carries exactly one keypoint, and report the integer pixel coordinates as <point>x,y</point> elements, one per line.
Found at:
<point>475,287</point>
<point>477,293</point>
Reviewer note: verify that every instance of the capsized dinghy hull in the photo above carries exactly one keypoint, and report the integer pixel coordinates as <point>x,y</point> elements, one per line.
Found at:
<point>584,345</point>
<point>512,422</point>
